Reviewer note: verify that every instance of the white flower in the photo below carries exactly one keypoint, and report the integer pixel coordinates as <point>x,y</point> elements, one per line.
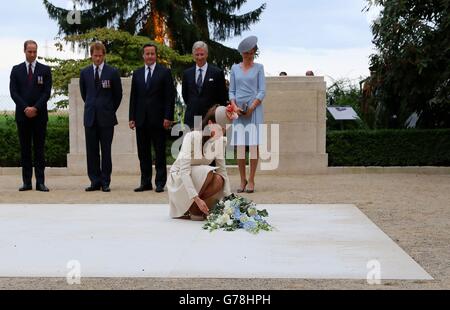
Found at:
<point>223,219</point>
<point>228,210</point>
<point>230,222</point>
<point>252,211</point>
<point>243,218</point>
<point>227,204</point>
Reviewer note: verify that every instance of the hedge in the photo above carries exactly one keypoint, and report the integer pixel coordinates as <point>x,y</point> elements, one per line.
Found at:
<point>344,148</point>
<point>56,146</point>
<point>409,147</point>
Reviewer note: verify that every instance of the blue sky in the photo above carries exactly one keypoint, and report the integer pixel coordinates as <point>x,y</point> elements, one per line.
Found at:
<point>330,37</point>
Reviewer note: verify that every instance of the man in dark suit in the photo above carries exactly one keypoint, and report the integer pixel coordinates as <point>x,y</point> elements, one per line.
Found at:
<point>152,103</point>
<point>101,90</point>
<point>30,87</point>
<point>203,86</point>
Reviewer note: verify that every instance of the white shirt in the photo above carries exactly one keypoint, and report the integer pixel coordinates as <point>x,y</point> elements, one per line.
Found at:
<point>33,65</point>
<point>204,68</point>
<point>152,69</point>
<point>100,69</point>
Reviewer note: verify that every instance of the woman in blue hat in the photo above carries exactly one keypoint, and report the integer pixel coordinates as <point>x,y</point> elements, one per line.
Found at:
<point>247,92</point>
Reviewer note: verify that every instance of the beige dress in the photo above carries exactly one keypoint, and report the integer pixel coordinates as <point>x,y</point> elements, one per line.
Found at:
<point>188,173</point>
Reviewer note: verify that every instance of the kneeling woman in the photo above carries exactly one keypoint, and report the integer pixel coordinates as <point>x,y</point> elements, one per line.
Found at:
<point>193,185</point>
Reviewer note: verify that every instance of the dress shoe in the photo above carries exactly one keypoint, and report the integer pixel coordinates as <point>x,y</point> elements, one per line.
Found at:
<point>92,188</point>
<point>105,188</point>
<point>42,188</point>
<point>25,187</point>
<point>159,189</point>
<point>143,188</point>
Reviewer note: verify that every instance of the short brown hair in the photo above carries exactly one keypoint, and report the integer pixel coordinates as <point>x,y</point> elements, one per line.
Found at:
<point>27,42</point>
<point>98,46</point>
<point>149,45</point>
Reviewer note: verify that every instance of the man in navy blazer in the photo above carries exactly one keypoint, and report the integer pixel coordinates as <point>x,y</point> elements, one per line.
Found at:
<point>30,87</point>
<point>152,103</point>
<point>101,90</point>
<point>203,86</point>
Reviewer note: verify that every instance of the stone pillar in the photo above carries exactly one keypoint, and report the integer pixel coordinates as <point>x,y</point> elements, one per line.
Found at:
<point>124,152</point>
<point>298,105</point>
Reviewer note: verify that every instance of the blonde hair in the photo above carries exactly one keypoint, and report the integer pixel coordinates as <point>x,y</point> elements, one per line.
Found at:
<point>98,46</point>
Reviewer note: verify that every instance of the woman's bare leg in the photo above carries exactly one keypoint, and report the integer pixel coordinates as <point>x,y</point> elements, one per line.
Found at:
<point>254,156</point>
<point>242,165</point>
<point>214,186</point>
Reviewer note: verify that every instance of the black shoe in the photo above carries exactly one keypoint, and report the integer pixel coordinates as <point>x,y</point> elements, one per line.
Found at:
<point>42,188</point>
<point>159,189</point>
<point>25,187</point>
<point>143,188</point>
<point>92,188</point>
<point>105,188</point>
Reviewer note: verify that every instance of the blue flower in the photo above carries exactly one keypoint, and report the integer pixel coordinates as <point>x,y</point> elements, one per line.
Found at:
<point>257,217</point>
<point>237,213</point>
<point>249,225</point>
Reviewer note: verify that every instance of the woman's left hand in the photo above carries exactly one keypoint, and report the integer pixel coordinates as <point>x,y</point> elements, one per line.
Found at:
<point>249,112</point>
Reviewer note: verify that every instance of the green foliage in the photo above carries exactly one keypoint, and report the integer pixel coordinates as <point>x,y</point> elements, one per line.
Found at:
<point>124,51</point>
<point>389,147</point>
<point>344,148</point>
<point>411,71</point>
<point>56,144</point>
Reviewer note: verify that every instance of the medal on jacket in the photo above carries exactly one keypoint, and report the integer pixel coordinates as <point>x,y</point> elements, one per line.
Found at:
<point>106,84</point>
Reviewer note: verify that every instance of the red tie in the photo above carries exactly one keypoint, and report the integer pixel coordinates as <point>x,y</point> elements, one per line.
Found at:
<point>30,74</point>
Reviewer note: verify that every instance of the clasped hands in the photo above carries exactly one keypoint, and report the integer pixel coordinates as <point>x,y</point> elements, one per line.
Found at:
<point>30,112</point>
<point>241,112</point>
<point>166,124</point>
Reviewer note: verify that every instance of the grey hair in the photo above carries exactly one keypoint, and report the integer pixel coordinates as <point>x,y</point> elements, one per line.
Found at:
<point>200,44</point>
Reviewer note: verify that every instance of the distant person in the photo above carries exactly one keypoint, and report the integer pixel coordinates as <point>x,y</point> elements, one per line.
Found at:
<point>101,90</point>
<point>282,73</point>
<point>203,85</point>
<point>247,92</point>
<point>309,73</point>
<point>152,104</point>
<point>30,87</point>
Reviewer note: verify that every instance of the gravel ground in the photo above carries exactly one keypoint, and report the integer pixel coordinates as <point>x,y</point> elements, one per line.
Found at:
<point>414,210</point>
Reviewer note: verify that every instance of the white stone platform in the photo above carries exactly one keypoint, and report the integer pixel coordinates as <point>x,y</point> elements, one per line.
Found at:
<point>311,242</point>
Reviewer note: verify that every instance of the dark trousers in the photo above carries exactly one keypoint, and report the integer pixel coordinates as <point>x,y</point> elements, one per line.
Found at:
<point>32,136</point>
<point>145,137</point>
<point>99,138</point>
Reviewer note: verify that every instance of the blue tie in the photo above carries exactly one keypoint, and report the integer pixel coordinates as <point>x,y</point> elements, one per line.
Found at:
<point>199,80</point>
<point>149,76</point>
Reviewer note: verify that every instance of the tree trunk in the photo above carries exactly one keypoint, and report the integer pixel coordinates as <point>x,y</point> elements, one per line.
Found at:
<point>200,18</point>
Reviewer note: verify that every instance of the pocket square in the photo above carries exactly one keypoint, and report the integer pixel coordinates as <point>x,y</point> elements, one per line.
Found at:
<point>211,80</point>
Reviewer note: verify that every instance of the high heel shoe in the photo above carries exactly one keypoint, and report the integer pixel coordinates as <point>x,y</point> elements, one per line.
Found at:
<point>251,191</point>
<point>241,190</point>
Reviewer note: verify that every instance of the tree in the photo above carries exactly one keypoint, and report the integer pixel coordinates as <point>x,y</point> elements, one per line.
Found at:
<point>411,70</point>
<point>176,23</point>
<point>124,52</point>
